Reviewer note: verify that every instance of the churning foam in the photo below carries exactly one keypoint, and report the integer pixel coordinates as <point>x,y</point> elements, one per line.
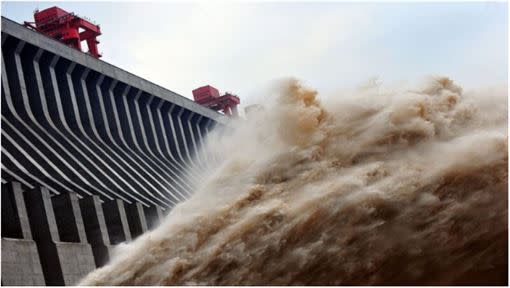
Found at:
<point>378,187</point>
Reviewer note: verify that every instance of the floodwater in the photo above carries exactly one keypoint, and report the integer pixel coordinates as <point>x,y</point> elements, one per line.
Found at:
<point>374,187</point>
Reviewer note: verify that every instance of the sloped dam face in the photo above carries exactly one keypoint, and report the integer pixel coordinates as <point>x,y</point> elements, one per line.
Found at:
<point>407,186</point>
<point>73,123</point>
<point>92,156</point>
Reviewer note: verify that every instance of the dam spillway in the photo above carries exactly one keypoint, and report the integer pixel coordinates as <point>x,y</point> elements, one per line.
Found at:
<point>91,156</point>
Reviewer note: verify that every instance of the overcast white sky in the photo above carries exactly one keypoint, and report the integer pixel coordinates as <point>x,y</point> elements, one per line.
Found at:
<point>240,47</point>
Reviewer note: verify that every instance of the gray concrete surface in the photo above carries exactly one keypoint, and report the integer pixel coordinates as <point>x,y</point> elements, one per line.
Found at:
<point>20,263</point>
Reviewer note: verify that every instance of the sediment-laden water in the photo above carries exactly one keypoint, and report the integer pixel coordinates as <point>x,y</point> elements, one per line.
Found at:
<point>377,186</point>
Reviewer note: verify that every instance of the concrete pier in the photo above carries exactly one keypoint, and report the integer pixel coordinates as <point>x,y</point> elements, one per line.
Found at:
<point>20,258</point>
<point>136,219</point>
<point>57,239</point>
<point>116,221</point>
<point>63,263</point>
<point>95,228</point>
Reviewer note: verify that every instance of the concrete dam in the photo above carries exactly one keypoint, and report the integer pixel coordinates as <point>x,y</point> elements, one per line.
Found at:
<point>92,156</point>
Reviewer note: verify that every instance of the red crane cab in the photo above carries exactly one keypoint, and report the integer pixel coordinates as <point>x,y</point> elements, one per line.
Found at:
<point>209,96</point>
<point>59,24</point>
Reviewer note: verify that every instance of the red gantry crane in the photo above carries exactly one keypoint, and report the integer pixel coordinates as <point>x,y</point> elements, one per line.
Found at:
<point>72,30</point>
<point>65,27</point>
<point>209,96</point>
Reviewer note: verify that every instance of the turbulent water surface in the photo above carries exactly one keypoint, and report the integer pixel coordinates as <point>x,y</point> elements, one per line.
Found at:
<point>402,186</point>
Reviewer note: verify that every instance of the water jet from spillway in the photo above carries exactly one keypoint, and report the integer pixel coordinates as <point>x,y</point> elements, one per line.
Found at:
<point>378,188</point>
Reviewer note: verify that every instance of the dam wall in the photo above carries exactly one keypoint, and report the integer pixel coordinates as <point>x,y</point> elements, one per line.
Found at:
<point>92,156</point>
